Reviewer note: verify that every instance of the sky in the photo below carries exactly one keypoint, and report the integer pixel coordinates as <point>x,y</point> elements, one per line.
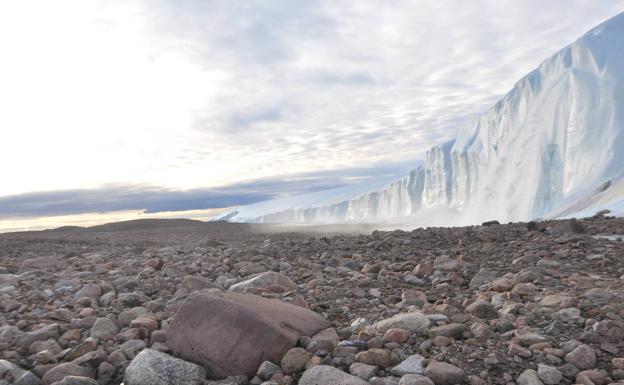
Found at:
<point>168,105</point>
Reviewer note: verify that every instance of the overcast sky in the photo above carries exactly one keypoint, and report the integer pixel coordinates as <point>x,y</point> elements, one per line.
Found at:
<point>208,96</point>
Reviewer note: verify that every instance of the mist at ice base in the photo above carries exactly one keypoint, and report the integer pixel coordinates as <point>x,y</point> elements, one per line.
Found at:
<point>553,147</point>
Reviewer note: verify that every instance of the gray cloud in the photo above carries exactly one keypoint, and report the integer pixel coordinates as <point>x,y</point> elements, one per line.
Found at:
<point>157,199</point>
<point>299,85</point>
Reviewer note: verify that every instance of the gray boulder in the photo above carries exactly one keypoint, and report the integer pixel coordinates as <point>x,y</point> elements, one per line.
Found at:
<point>156,368</point>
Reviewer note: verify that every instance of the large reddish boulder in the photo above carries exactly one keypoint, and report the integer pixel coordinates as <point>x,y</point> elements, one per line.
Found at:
<point>234,333</point>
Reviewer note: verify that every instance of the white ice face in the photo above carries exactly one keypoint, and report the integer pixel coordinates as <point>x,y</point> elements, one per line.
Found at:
<point>546,149</point>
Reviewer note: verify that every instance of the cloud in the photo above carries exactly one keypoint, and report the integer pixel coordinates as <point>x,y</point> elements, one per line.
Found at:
<point>155,199</point>
<point>190,95</point>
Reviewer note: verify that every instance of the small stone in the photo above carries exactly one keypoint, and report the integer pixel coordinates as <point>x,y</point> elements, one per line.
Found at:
<point>482,309</point>
<point>453,330</point>
<point>517,350</point>
<point>482,277</point>
<point>396,335</point>
<point>379,357</point>
<point>364,371</point>
<point>267,370</point>
<point>529,377</point>
<point>530,338</point>
<point>442,373</point>
<point>325,375</point>
<point>549,374</point>
<point>583,357</point>
<point>592,377</point>
<point>411,365</point>
<point>63,370</point>
<point>415,379</point>
<point>144,322</point>
<point>295,360</point>
<point>104,329</point>
<point>384,381</point>
<point>501,285</point>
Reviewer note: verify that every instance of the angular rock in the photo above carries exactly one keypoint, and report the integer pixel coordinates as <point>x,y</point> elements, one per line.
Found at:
<point>411,365</point>
<point>104,329</point>
<point>583,357</point>
<point>156,368</point>
<point>267,370</point>
<point>263,329</point>
<point>482,277</point>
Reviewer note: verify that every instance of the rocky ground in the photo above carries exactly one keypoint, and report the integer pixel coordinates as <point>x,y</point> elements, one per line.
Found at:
<point>145,302</point>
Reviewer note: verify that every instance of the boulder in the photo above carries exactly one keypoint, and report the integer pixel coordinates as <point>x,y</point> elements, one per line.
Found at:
<point>234,333</point>
<point>328,375</point>
<point>156,368</point>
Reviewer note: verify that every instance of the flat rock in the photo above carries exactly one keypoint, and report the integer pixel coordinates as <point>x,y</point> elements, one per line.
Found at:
<point>415,379</point>
<point>415,322</point>
<point>270,281</point>
<point>40,263</point>
<point>233,333</point>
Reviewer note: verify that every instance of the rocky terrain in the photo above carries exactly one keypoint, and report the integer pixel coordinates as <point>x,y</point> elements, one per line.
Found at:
<point>185,302</point>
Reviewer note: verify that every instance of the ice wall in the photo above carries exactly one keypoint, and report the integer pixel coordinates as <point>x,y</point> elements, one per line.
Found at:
<point>558,134</point>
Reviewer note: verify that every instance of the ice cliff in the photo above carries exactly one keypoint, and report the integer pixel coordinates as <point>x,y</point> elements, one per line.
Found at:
<point>550,145</point>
